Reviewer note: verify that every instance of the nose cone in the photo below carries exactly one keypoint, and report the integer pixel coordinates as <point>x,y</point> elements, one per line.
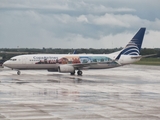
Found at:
<point>10,64</point>
<point>6,63</point>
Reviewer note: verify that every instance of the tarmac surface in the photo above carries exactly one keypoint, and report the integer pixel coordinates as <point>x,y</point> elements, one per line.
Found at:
<point>130,92</point>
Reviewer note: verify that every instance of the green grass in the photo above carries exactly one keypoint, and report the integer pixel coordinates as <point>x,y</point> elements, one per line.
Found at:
<point>149,61</point>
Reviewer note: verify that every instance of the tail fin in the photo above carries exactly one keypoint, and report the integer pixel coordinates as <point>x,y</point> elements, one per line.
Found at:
<point>74,52</point>
<point>134,46</point>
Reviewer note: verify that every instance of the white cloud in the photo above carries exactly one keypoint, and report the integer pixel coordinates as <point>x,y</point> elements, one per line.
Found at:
<point>151,40</point>
<point>82,18</point>
<point>104,9</point>
<point>36,4</point>
<point>110,19</point>
<point>72,24</point>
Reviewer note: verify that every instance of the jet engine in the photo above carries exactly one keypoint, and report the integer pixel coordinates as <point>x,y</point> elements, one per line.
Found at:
<point>66,69</point>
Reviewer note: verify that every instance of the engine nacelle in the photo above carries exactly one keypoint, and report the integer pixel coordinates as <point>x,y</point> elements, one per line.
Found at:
<point>66,69</point>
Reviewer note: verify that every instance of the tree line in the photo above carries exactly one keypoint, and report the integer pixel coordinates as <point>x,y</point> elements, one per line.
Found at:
<point>7,53</point>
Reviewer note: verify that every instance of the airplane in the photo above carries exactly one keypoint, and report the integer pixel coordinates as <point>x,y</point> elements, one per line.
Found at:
<point>70,63</point>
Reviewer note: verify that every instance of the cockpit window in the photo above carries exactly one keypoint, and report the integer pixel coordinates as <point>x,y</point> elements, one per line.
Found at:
<point>13,59</point>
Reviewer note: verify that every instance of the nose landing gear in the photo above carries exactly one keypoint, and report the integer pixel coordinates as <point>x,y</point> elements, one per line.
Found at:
<point>18,72</point>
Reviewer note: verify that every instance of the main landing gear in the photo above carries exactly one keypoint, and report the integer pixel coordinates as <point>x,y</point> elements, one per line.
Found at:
<point>79,73</point>
<point>73,73</point>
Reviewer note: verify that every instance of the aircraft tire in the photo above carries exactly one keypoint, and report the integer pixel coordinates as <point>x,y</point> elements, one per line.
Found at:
<point>18,72</point>
<point>72,73</point>
<point>79,72</point>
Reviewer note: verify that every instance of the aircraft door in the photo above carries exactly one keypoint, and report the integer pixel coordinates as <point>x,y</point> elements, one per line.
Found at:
<point>24,61</point>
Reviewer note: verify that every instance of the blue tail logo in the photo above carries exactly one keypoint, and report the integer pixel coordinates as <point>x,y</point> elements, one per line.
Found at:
<point>134,46</point>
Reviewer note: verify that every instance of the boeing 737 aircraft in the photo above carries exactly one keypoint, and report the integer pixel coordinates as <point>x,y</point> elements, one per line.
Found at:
<point>69,63</point>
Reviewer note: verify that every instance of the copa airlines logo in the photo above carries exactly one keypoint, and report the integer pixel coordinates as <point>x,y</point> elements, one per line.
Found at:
<point>131,49</point>
<point>45,57</point>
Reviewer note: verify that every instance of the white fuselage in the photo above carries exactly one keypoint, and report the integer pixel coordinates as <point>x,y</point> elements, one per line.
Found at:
<point>52,61</point>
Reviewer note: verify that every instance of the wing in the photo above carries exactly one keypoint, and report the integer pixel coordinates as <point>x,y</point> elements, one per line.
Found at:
<point>87,65</point>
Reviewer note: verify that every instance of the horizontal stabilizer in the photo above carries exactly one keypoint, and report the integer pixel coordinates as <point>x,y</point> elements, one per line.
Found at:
<point>143,56</point>
<point>136,57</point>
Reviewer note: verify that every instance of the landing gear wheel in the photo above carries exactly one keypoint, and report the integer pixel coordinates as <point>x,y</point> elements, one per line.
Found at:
<point>73,73</point>
<point>18,72</point>
<point>79,72</point>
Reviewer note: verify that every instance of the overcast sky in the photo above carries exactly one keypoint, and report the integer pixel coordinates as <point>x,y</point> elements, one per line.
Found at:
<point>77,23</point>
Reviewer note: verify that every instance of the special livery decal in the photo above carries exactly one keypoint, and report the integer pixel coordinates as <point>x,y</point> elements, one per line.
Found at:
<point>72,59</point>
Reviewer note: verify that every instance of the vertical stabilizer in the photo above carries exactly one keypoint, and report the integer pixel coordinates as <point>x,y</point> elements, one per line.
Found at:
<point>134,46</point>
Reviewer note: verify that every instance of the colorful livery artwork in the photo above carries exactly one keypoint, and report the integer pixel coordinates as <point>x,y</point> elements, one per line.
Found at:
<point>73,60</point>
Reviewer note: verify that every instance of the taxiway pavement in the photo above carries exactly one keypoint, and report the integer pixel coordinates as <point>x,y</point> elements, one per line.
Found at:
<point>126,93</point>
